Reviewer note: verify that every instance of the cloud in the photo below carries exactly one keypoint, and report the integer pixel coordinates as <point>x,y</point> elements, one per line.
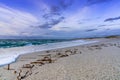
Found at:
<point>59,18</point>
<point>51,23</point>
<point>89,30</point>
<point>101,25</point>
<point>112,19</point>
<point>13,21</point>
<point>91,2</point>
<point>52,10</point>
<point>53,14</point>
<point>73,21</point>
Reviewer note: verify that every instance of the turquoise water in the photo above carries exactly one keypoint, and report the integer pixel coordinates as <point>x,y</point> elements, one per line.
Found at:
<point>8,43</point>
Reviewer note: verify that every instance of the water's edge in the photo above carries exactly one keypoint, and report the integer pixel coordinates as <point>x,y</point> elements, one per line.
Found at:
<point>10,55</point>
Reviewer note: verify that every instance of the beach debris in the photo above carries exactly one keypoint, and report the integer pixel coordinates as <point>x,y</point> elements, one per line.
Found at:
<point>44,60</point>
<point>37,62</point>
<point>80,52</point>
<point>27,73</point>
<point>47,59</point>
<point>70,51</point>
<point>98,46</point>
<point>8,68</point>
<point>67,53</point>
<point>15,72</point>
<point>62,55</point>
<point>27,66</point>
<point>19,75</point>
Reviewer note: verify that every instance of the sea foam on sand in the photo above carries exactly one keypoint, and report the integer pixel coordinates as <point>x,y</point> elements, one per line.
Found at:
<point>9,55</point>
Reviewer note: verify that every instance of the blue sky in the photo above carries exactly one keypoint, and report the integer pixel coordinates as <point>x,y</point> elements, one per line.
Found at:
<point>59,18</point>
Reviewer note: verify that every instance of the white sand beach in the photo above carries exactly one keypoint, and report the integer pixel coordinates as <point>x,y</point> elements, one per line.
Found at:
<point>96,61</point>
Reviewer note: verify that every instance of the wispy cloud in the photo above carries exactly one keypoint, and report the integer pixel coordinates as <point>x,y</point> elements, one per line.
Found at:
<point>112,19</point>
<point>53,14</point>
<point>51,23</point>
<point>89,30</point>
<point>13,22</point>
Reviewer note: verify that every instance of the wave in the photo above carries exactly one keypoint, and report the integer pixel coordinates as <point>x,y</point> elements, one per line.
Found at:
<point>8,43</point>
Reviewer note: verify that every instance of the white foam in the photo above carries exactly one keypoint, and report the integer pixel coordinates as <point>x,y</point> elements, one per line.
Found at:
<point>9,55</point>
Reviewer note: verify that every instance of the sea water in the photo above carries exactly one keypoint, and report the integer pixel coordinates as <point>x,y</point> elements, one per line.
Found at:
<point>10,50</point>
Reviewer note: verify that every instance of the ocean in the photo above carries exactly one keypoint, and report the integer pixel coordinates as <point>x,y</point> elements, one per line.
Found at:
<point>10,50</point>
<point>8,43</point>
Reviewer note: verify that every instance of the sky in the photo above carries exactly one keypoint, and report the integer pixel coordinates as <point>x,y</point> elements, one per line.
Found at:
<point>59,18</point>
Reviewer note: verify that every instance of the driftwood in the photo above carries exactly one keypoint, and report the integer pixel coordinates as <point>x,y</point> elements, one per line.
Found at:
<point>37,62</point>
<point>28,66</point>
<point>19,75</point>
<point>62,55</point>
<point>29,72</point>
<point>68,51</point>
<point>8,68</point>
<point>25,75</point>
<point>46,58</point>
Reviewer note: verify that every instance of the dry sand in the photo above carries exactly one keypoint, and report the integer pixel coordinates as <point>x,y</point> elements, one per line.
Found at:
<point>98,61</point>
